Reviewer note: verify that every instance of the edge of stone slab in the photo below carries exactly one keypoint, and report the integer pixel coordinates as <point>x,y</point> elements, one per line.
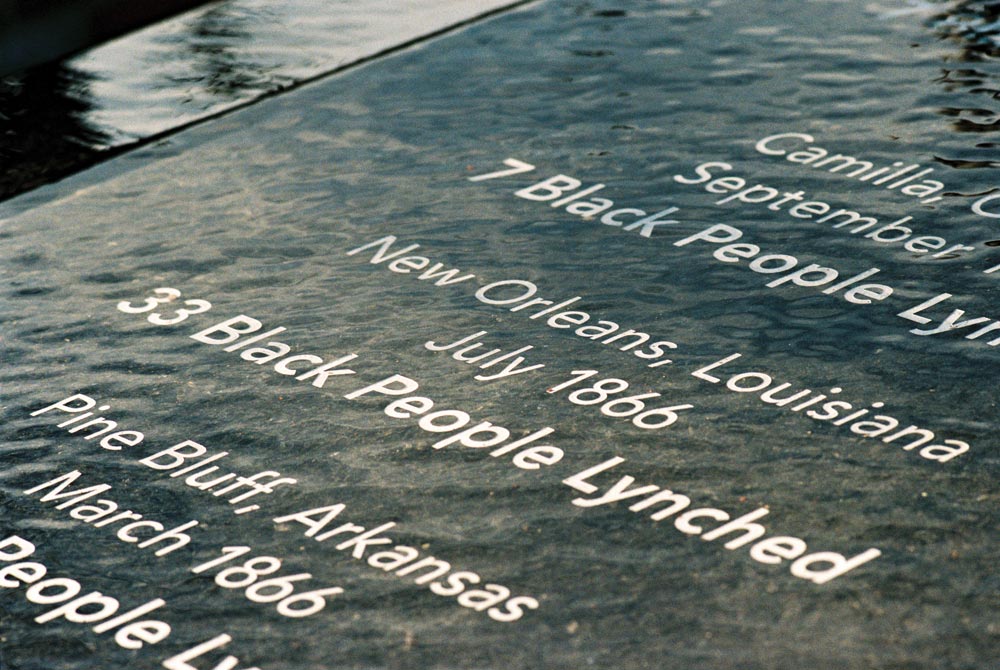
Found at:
<point>173,141</point>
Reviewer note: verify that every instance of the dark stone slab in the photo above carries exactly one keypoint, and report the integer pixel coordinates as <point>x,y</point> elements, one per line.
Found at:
<point>257,213</point>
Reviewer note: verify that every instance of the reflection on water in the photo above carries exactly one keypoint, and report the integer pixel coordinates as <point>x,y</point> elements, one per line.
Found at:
<point>192,66</point>
<point>45,132</point>
<point>234,52</point>
<point>217,68</point>
<point>62,119</point>
<point>974,26</point>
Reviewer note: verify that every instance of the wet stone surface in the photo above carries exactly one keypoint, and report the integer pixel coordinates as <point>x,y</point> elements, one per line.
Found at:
<point>59,118</point>
<point>303,213</point>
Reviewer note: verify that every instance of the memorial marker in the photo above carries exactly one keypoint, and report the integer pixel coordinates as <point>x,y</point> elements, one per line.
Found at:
<point>665,342</point>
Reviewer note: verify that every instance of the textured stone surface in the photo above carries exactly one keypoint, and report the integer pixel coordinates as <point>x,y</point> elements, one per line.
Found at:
<point>255,212</point>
